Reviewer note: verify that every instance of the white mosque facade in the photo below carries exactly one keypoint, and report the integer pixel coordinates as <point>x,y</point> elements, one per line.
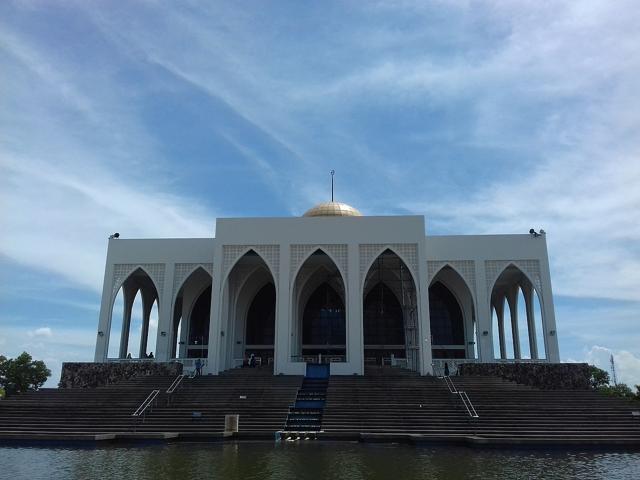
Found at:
<point>332,286</point>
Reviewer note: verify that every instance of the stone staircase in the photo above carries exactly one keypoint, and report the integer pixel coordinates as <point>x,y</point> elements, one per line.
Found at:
<point>385,404</point>
<point>76,413</point>
<point>521,414</point>
<point>391,401</point>
<point>394,404</point>
<point>199,406</point>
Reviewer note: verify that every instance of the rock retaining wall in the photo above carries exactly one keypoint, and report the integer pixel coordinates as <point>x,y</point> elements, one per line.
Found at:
<point>91,375</point>
<point>548,376</point>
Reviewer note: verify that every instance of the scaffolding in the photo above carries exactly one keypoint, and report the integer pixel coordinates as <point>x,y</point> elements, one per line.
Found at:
<point>405,286</point>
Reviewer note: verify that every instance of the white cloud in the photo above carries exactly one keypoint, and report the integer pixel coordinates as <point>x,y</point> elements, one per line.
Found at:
<point>79,166</point>
<point>41,332</point>
<point>627,364</point>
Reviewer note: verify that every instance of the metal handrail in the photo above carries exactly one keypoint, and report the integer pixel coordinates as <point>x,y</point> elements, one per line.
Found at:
<point>147,402</point>
<point>467,403</point>
<point>175,383</point>
<point>450,385</point>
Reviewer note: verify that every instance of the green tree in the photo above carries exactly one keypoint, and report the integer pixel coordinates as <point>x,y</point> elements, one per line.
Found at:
<point>619,390</point>
<point>22,373</point>
<point>599,378</point>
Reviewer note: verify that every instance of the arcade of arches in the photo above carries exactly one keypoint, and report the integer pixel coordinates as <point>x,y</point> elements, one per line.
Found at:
<point>319,314</point>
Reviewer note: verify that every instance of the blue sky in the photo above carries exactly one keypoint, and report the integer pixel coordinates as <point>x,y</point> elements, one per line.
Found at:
<point>155,118</point>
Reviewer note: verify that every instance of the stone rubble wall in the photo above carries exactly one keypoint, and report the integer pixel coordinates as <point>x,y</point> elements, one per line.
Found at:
<point>91,375</point>
<point>546,376</point>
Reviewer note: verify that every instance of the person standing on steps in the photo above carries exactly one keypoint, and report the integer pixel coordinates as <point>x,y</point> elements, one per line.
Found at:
<point>446,369</point>
<point>198,367</point>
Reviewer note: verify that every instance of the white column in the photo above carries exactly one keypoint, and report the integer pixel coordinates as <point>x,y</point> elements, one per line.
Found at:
<point>165,316</point>
<point>512,299</point>
<point>104,320</point>
<point>499,308</point>
<point>147,304</point>
<point>283,330</point>
<point>528,293</point>
<point>548,312</point>
<point>424,321</point>
<point>353,304</point>
<point>184,335</point>
<point>483,315</point>
<point>128,296</point>
<point>217,290</point>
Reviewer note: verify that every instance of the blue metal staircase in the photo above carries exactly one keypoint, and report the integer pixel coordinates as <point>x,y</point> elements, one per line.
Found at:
<point>305,415</point>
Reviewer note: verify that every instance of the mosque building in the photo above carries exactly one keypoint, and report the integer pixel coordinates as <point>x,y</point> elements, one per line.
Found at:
<point>334,287</point>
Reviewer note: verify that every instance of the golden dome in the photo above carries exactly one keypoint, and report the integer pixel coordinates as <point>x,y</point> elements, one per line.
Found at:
<point>332,209</point>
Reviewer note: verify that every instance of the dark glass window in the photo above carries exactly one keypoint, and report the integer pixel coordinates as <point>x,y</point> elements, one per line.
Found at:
<point>261,317</point>
<point>324,318</point>
<point>447,327</point>
<point>382,317</point>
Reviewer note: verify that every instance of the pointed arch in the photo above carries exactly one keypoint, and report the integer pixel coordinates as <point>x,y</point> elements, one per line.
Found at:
<point>319,248</point>
<point>445,265</point>
<point>179,285</point>
<point>317,271</point>
<point>508,282</point>
<point>186,293</point>
<point>118,284</point>
<point>147,288</point>
<point>247,271</point>
<point>314,274</point>
<point>392,276</point>
<point>227,269</point>
<point>380,251</point>
<point>512,264</point>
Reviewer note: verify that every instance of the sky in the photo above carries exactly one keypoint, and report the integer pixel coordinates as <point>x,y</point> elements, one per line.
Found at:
<point>155,118</point>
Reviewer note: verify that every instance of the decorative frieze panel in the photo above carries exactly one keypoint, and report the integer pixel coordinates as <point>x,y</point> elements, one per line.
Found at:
<point>408,252</point>
<point>183,270</point>
<point>493,269</point>
<point>269,253</point>
<point>300,252</point>
<point>121,272</point>
<point>466,269</point>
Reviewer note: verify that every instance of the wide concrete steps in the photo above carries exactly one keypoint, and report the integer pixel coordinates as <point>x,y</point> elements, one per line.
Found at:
<point>389,405</point>
<point>198,407</point>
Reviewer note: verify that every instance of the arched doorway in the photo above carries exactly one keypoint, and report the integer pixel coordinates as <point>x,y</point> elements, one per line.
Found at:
<point>319,313</point>
<point>192,316</point>
<point>248,312</point>
<point>452,316</point>
<point>389,315</point>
